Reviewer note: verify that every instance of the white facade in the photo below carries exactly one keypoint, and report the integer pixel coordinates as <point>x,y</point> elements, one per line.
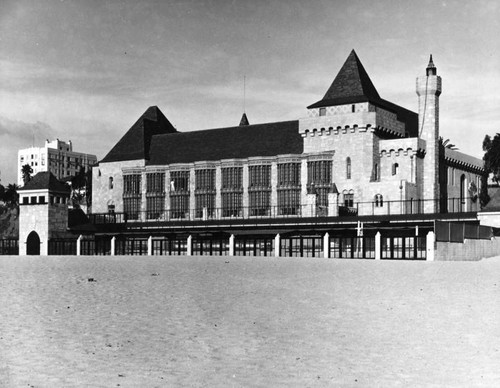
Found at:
<point>55,156</point>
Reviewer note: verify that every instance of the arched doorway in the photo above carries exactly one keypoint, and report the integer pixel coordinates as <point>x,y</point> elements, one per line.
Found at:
<point>463,188</point>
<point>33,244</point>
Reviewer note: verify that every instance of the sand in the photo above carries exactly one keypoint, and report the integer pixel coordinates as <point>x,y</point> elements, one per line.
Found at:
<point>248,322</point>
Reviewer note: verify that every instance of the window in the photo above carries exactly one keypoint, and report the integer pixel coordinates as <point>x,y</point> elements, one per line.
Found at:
<point>33,200</point>
<point>204,193</point>
<point>348,198</point>
<point>322,111</point>
<point>395,169</point>
<point>375,172</point>
<point>289,188</point>
<point>155,195</point>
<point>110,184</point>
<point>379,200</point>
<point>22,159</point>
<point>132,196</point>
<point>348,168</point>
<point>319,180</point>
<point>353,108</point>
<point>259,190</point>
<point>232,191</point>
<point>179,194</point>
<point>41,199</point>
<point>111,209</point>
<point>26,200</point>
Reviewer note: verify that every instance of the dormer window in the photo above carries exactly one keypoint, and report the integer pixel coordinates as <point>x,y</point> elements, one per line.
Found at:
<point>322,111</point>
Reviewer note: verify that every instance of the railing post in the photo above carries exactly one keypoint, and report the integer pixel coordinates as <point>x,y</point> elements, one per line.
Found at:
<point>189,246</point>
<point>231,245</point>
<point>326,246</point>
<point>150,246</point>
<point>113,245</point>
<point>79,245</point>
<point>430,242</point>
<point>277,245</point>
<point>378,246</point>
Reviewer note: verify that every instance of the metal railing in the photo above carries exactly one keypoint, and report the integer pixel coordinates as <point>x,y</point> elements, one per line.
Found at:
<point>379,208</point>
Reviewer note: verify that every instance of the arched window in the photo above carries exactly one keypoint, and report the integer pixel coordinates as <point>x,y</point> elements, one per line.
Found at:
<point>375,172</point>
<point>110,182</point>
<point>379,200</point>
<point>348,168</point>
<point>395,169</point>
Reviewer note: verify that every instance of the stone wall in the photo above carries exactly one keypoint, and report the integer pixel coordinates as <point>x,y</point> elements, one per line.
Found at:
<point>470,250</point>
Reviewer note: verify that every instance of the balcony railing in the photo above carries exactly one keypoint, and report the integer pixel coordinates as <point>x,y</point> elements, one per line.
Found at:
<point>380,208</point>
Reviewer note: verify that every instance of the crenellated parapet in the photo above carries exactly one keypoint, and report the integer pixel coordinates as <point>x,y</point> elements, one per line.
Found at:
<point>353,118</point>
<point>402,147</point>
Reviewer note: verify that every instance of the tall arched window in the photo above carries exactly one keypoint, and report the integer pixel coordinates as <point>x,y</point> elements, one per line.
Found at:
<point>348,168</point>
<point>110,182</point>
<point>379,200</point>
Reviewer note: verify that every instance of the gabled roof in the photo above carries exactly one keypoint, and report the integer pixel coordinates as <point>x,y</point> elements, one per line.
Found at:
<point>269,139</point>
<point>46,181</point>
<point>136,142</point>
<point>353,85</point>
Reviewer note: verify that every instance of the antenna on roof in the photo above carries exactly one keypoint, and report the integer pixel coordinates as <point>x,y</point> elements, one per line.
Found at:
<point>244,91</point>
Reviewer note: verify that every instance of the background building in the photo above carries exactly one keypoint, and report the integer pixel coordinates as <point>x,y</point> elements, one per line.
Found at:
<point>56,157</point>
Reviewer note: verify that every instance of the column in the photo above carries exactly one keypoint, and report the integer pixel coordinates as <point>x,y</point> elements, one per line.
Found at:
<point>189,246</point>
<point>378,246</point>
<point>113,245</point>
<point>79,245</point>
<point>277,244</point>
<point>150,245</point>
<point>326,245</point>
<point>430,240</point>
<point>231,245</point>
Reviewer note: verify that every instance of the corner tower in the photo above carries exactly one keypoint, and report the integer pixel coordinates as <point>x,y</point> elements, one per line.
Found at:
<point>428,91</point>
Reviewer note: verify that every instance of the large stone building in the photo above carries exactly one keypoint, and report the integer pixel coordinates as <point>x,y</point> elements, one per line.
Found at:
<point>56,157</point>
<point>351,167</point>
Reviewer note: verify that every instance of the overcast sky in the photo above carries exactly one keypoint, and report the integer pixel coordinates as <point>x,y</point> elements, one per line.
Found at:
<point>86,70</point>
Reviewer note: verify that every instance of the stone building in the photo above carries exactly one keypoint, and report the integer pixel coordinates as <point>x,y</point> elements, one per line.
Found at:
<point>56,157</point>
<point>354,165</point>
<point>43,213</point>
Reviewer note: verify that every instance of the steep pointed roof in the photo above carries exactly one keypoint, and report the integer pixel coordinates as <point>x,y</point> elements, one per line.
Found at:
<point>46,181</point>
<point>352,84</point>
<point>136,142</point>
<point>244,120</point>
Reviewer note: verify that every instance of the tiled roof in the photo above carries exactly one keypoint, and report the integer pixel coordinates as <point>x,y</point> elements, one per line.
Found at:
<point>269,139</point>
<point>353,85</point>
<point>463,159</point>
<point>46,181</point>
<point>135,143</point>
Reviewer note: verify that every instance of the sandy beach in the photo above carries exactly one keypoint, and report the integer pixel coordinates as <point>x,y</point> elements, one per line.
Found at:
<point>247,322</point>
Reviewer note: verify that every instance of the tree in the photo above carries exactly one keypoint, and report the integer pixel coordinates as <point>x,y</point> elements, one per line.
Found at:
<point>26,170</point>
<point>81,187</point>
<point>11,197</point>
<point>491,148</point>
<point>446,143</point>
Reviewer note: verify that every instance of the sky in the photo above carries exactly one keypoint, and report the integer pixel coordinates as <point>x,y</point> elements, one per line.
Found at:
<point>86,70</point>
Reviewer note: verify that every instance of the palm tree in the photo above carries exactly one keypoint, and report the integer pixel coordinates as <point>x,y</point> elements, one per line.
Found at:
<point>11,197</point>
<point>26,170</point>
<point>446,143</point>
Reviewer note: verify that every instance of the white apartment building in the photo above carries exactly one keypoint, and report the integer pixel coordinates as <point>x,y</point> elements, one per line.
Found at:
<point>55,156</point>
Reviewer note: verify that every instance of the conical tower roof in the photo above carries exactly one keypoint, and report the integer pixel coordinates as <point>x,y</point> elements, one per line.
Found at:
<point>352,84</point>
<point>136,142</point>
<point>244,120</point>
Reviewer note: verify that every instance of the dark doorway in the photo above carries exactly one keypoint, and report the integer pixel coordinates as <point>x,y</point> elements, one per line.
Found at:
<point>33,244</point>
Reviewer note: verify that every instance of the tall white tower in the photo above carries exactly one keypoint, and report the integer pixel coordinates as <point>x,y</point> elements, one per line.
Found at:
<point>428,91</point>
